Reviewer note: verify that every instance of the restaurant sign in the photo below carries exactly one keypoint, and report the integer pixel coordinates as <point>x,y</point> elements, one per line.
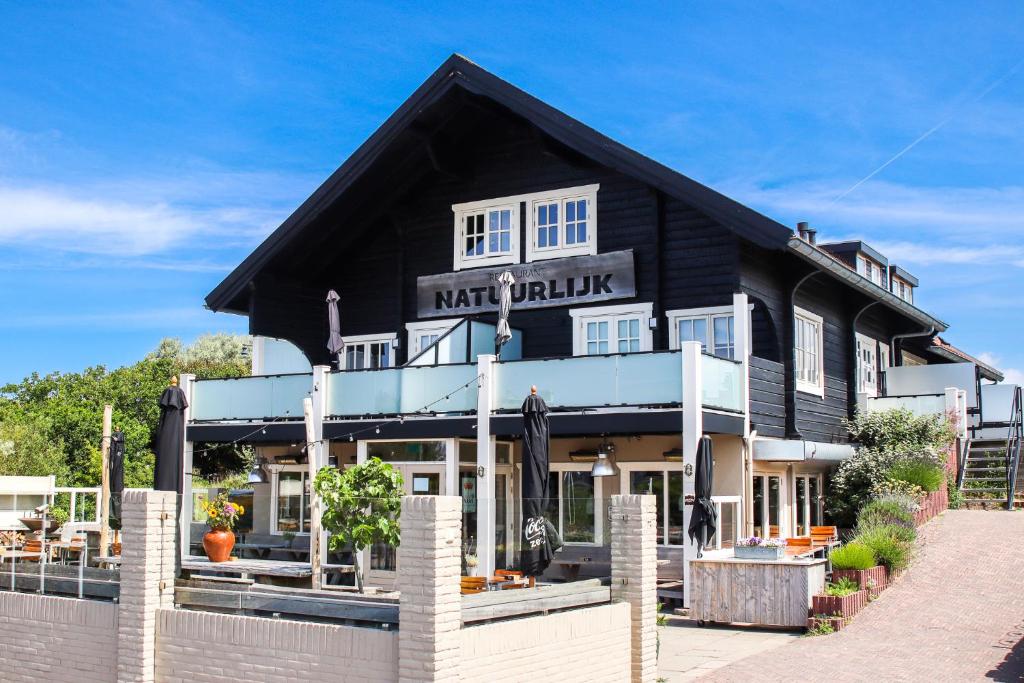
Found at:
<point>558,282</point>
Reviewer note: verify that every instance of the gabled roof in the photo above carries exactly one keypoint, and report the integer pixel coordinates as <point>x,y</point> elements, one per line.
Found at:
<point>459,72</point>
<point>944,349</point>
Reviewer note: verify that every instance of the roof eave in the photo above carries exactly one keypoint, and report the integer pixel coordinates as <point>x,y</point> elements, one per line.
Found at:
<point>820,259</point>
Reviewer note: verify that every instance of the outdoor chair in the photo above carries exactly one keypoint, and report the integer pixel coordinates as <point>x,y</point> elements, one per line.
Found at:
<point>473,584</point>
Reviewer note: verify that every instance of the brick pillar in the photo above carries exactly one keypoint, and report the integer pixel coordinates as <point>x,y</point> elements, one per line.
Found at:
<point>634,577</point>
<point>430,609</point>
<point>147,578</point>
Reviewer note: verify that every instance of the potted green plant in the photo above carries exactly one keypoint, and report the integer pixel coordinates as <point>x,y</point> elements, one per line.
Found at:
<point>221,517</point>
<point>757,548</point>
<point>843,597</point>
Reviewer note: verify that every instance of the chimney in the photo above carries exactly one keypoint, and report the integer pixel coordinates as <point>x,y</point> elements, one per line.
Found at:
<point>812,235</point>
<point>801,229</point>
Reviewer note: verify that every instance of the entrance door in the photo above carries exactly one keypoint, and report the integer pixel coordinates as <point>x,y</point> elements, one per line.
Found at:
<point>768,505</point>
<point>503,514</point>
<point>418,479</point>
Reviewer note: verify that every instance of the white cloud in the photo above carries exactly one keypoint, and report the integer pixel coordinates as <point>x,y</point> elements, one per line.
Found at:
<point>1012,375</point>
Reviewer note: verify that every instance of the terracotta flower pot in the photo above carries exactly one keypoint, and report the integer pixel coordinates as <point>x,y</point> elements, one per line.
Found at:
<point>218,544</point>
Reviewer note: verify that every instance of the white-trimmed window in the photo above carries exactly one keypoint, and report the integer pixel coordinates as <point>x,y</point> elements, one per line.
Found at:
<point>664,480</point>
<point>575,503</point>
<point>424,333</point>
<point>369,351</point>
<point>714,328</point>
<point>562,223</point>
<point>871,270</point>
<point>867,365</point>
<point>809,350</point>
<point>902,290</point>
<point>611,329</point>
<point>290,495</point>
<point>486,233</point>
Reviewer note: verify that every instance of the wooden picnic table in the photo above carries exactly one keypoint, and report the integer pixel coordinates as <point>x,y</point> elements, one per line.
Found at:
<point>19,555</point>
<point>246,568</point>
<point>262,550</point>
<point>113,561</point>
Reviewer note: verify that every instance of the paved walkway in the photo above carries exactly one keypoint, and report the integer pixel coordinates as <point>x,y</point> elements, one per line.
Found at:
<point>956,615</point>
<point>689,651</point>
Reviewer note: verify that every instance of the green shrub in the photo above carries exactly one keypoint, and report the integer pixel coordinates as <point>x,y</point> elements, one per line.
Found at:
<point>900,430</point>
<point>853,555</point>
<point>880,512</point>
<point>956,496</point>
<point>886,545</point>
<point>923,473</point>
<point>842,588</point>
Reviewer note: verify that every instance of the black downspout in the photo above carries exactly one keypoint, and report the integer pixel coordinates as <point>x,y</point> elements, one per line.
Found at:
<point>789,375</point>
<point>851,377</point>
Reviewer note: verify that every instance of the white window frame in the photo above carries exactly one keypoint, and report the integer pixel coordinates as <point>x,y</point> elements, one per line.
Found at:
<point>611,315</point>
<point>417,329</point>
<point>784,496</point>
<point>275,487</point>
<point>599,505</point>
<point>866,343</point>
<point>562,196</point>
<point>665,467</point>
<point>871,269</point>
<point>365,340</point>
<point>709,313</point>
<point>461,211</point>
<point>818,389</point>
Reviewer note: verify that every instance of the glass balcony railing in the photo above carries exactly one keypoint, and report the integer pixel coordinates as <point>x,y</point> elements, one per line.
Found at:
<point>391,391</point>
<point>250,398</point>
<point>637,379</point>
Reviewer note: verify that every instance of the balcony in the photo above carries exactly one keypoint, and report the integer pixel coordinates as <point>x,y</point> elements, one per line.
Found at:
<point>584,382</point>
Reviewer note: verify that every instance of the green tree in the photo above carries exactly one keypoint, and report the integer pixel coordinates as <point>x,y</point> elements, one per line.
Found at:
<point>361,506</point>
<point>26,451</point>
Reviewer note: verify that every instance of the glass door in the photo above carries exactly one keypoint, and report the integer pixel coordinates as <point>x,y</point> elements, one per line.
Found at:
<point>502,512</point>
<point>767,505</point>
<point>807,503</point>
<point>418,479</point>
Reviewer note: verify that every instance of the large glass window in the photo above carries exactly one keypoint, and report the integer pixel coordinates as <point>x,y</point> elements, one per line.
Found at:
<point>652,482</point>
<point>807,503</point>
<point>767,505</point>
<point>572,505</point>
<point>808,346</point>
<point>406,451</point>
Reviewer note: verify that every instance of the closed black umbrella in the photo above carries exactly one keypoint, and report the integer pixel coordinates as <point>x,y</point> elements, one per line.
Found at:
<point>540,540</point>
<point>170,439</point>
<point>335,344</point>
<point>503,332</point>
<point>116,469</point>
<point>703,520</point>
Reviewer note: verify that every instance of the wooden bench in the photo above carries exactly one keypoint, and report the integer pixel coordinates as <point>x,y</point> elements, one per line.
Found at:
<point>472,584</point>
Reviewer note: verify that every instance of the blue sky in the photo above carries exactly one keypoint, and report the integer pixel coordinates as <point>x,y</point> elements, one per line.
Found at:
<point>145,149</point>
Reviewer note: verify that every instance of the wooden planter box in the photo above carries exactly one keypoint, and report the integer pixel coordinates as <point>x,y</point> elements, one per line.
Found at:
<point>837,622</point>
<point>757,552</point>
<point>874,580</point>
<point>845,606</point>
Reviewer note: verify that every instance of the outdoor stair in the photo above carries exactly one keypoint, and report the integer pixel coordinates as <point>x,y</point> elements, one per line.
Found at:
<point>985,479</point>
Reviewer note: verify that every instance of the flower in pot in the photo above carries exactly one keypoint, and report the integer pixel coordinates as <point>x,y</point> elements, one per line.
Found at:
<point>757,548</point>
<point>221,516</point>
<point>472,564</point>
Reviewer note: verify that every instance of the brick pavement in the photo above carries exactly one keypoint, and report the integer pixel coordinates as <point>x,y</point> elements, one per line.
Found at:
<point>956,615</point>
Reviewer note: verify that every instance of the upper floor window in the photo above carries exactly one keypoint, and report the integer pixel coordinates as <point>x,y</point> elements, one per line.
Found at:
<point>424,333</point>
<point>369,351</point>
<point>808,348</point>
<point>867,365</point>
<point>611,329</point>
<point>714,328</point>
<point>903,290</point>
<point>871,270</point>
<point>563,223</point>
<point>486,233</point>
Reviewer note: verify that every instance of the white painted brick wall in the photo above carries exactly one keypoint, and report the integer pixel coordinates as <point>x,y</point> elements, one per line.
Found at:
<point>44,638</point>
<point>589,644</point>
<point>205,646</point>
<point>430,608</point>
<point>635,577</point>
<point>147,578</point>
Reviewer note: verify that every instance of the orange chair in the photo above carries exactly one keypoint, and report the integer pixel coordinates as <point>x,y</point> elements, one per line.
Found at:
<point>473,584</point>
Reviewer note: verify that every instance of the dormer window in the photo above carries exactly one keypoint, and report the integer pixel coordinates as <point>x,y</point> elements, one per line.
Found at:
<point>871,270</point>
<point>903,290</point>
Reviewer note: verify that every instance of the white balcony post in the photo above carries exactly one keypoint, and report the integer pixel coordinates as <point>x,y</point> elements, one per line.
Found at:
<point>693,428</point>
<point>485,522</point>
<point>741,332</point>
<point>316,457</point>
<point>187,382</point>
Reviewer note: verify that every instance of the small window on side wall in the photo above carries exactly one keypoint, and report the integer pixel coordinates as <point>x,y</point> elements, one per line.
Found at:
<point>562,223</point>
<point>611,329</point>
<point>714,328</point>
